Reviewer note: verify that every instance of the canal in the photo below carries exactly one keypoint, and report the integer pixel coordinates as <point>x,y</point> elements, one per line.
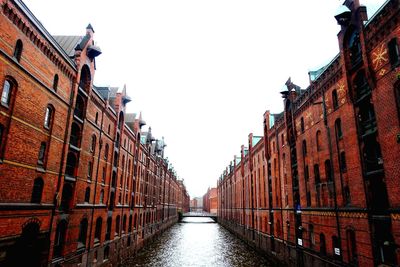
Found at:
<point>197,244</point>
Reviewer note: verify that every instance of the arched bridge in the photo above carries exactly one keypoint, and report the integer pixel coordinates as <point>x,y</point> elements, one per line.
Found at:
<point>203,214</point>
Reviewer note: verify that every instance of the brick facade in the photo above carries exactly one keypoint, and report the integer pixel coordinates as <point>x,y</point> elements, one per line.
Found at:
<point>81,183</point>
<point>320,187</point>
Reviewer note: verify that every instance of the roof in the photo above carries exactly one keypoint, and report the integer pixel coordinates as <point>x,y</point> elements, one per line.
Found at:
<point>130,117</point>
<point>68,43</point>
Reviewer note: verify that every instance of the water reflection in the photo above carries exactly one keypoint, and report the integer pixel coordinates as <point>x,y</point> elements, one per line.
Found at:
<point>197,244</point>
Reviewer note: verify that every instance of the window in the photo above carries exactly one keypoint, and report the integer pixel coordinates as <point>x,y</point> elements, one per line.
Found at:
<point>335,245</point>
<point>59,240</point>
<point>351,246</point>
<point>42,153</point>
<point>318,139</point>
<point>304,148</point>
<point>343,165</point>
<point>96,118</point>
<point>282,140</point>
<point>6,94</point>
<point>48,117</point>
<point>103,178</point>
<point>87,194</point>
<point>124,224</point>
<point>90,168</point>
<point>328,170</point>
<point>82,233</point>
<point>79,110</point>
<point>18,50</point>
<point>55,82</point>
<point>322,244</point>
<point>312,235</point>
<point>106,151</point>
<point>394,52</point>
<point>70,169</point>
<point>397,95</point>
<point>97,232</point>
<point>108,229</point>
<point>355,48</point>
<point>117,222</point>
<point>302,125</point>
<point>1,135</point>
<point>93,144</point>
<point>338,129</point>
<point>130,224</point>
<point>316,174</point>
<point>106,252</point>
<point>102,196</point>
<point>108,131</point>
<point>346,195</point>
<point>335,99</point>
<point>37,190</point>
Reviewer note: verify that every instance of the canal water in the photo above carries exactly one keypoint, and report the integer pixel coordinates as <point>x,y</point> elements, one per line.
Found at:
<point>198,243</point>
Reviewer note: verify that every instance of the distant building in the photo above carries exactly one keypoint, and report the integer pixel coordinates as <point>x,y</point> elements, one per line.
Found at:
<point>210,201</point>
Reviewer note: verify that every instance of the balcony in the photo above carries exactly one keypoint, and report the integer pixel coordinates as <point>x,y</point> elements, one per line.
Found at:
<point>368,127</point>
<point>363,91</point>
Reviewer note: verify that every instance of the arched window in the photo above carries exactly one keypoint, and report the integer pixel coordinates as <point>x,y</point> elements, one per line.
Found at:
<point>82,233</point>
<point>318,139</point>
<point>93,144</point>
<point>97,232</point>
<point>55,82</point>
<point>117,226</point>
<point>114,179</point>
<point>121,121</point>
<point>6,93</point>
<point>351,246</point>
<point>106,151</point>
<point>108,229</point>
<point>48,117</point>
<point>18,50</point>
<point>90,170</point>
<point>85,79</point>
<point>103,177</point>
<point>79,107</point>
<point>42,153</point>
<point>75,135</point>
<point>346,195</point>
<point>322,244</point>
<point>302,125</point>
<point>87,194</point>
<point>338,129</point>
<point>37,190</point>
<point>102,196</point>
<point>96,118</point>
<point>328,170</point>
<point>335,99</point>
<point>59,240</point>
<point>70,169</point>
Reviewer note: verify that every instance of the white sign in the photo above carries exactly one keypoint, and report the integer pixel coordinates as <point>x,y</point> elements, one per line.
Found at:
<point>300,241</point>
<point>337,251</point>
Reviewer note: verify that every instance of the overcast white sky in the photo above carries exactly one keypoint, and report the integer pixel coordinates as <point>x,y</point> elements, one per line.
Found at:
<point>202,72</point>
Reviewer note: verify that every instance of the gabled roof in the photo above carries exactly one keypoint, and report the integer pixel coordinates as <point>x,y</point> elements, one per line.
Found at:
<point>68,43</point>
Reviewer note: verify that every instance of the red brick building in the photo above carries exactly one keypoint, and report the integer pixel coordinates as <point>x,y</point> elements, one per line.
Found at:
<point>210,201</point>
<point>320,187</point>
<point>81,183</point>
